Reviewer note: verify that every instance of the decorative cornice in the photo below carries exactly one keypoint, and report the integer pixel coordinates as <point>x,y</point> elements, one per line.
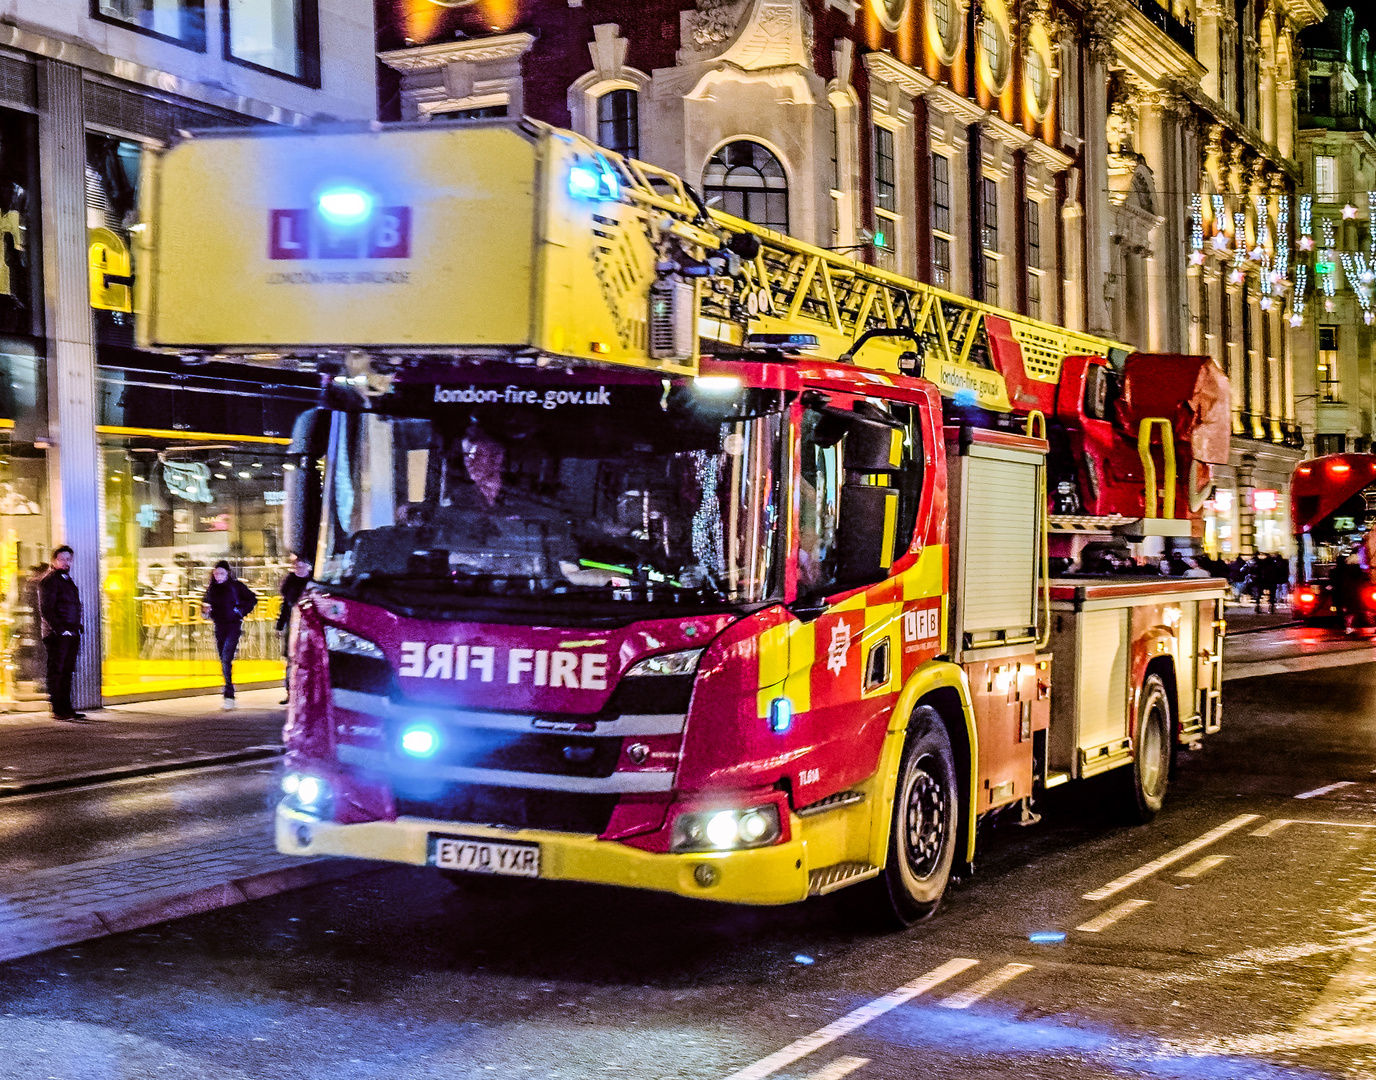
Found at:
<point>996,127</point>
<point>1304,12</point>
<point>1048,157</point>
<point>958,105</point>
<point>1144,48</point>
<point>886,66</point>
<point>476,51</point>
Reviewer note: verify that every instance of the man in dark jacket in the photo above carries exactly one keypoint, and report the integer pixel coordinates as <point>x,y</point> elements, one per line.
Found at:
<point>293,586</point>
<point>225,603</point>
<point>60,608</point>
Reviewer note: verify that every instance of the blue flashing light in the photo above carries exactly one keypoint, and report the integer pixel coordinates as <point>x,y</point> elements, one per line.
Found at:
<point>345,205</point>
<point>965,396</point>
<point>1046,937</point>
<point>780,715</point>
<point>583,182</point>
<point>420,740</point>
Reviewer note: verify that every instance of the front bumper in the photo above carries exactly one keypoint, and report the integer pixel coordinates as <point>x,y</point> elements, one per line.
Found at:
<point>770,875</point>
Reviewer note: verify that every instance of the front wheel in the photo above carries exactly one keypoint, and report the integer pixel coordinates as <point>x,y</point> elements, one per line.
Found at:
<point>922,833</point>
<point>1151,766</point>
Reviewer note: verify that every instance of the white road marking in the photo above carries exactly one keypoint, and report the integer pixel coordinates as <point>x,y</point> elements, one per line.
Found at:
<point>1335,824</point>
<point>985,986</point>
<point>838,1068</point>
<point>1325,789</point>
<point>1171,857</point>
<point>1111,916</point>
<point>852,1020</point>
<point>1273,827</point>
<point>1204,865</point>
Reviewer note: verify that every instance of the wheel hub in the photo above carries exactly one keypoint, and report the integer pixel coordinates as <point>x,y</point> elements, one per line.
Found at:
<point>924,824</point>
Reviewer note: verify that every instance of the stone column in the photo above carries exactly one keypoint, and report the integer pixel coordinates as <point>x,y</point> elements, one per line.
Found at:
<point>1151,143</point>
<point>1101,23</point>
<point>1073,253</point>
<point>74,454</point>
<point>1285,118</point>
<point>1246,512</point>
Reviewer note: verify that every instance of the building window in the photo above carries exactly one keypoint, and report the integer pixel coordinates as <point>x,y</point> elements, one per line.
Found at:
<point>1329,388</point>
<point>993,46</point>
<point>883,169</point>
<point>744,179</point>
<point>990,189</point>
<point>885,190</point>
<point>1329,444</point>
<point>278,36</point>
<point>1069,114</point>
<point>1325,178</point>
<point>482,112</point>
<point>179,21</point>
<point>941,220</point>
<point>945,25</point>
<point>1320,95</point>
<point>1034,258</point>
<point>618,122</point>
<point>1037,73</point>
<point>991,279</point>
<point>941,193</point>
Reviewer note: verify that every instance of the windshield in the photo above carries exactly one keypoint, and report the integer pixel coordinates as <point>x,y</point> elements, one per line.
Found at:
<point>642,493</point>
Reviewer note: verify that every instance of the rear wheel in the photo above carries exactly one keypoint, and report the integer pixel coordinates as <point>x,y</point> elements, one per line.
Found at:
<point>1151,766</point>
<point>922,834</point>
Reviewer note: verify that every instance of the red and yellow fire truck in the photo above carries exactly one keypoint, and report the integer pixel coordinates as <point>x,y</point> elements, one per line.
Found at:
<point>1333,513</point>
<point>656,549</point>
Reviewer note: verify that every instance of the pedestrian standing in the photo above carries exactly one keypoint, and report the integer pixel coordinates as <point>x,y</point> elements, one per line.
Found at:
<point>226,602</point>
<point>293,585</point>
<point>59,605</point>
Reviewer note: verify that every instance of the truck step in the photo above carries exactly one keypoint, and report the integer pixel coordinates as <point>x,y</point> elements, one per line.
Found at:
<point>1056,779</point>
<point>830,878</point>
<point>831,802</point>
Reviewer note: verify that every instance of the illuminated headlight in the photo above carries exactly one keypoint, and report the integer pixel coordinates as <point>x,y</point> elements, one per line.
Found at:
<point>726,830</point>
<point>307,794</point>
<point>337,640</point>
<point>674,663</point>
<point>420,740</point>
<point>345,205</point>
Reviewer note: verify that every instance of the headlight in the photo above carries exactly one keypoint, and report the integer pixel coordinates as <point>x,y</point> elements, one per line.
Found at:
<point>337,640</point>
<point>726,830</point>
<point>420,740</point>
<point>308,794</point>
<point>673,663</point>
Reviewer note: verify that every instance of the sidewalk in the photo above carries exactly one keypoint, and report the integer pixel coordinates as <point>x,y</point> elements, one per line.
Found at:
<point>38,754</point>
<point>54,773</point>
<point>1286,647</point>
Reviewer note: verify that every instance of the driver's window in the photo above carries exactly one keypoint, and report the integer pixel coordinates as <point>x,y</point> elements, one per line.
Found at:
<point>819,497</point>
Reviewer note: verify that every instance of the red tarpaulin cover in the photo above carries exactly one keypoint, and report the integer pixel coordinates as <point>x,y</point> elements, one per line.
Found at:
<point>1189,391</point>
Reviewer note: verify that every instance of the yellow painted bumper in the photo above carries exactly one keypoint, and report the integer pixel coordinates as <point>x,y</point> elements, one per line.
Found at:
<point>772,875</point>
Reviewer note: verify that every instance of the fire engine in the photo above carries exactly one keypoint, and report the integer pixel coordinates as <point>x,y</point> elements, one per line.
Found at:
<point>656,549</point>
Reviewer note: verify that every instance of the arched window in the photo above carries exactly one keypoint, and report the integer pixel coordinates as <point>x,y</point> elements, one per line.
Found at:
<point>618,122</point>
<point>746,180</point>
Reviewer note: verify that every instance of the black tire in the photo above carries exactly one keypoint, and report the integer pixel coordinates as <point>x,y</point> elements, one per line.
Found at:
<point>922,833</point>
<point>1153,744</point>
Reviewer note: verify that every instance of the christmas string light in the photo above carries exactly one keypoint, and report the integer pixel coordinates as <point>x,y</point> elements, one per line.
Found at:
<point>1196,229</point>
<point>1283,239</point>
<point>1297,304</point>
<point>1220,240</point>
<point>1259,253</point>
<point>1306,223</point>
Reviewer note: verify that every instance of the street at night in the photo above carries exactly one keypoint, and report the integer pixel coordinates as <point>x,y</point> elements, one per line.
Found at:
<point>1232,937</point>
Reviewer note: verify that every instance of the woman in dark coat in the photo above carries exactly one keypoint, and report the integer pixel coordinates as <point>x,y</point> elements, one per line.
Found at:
<point>226,602</point>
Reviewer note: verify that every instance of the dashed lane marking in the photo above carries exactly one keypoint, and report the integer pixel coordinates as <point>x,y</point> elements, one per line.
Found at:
<point>1171,857</point>
<point>838,1068</point>
<point>985,986</point>
<point>1204,865</point>
<point>852,1020</point>
<point>1273,827</point>
<point>1325,789</point>
<point>1111,916</point>
<point>1267,831</point>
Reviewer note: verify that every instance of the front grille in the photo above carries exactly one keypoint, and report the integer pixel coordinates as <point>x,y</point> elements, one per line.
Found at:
<point>479,804</point>
<point>559,755</point>
<point>649,694</point>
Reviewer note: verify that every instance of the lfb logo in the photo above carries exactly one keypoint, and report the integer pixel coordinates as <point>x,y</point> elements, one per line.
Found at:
<point>385,233</point>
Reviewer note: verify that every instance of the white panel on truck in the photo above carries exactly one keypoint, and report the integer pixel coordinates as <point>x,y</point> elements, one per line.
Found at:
<point>1103,677</point>
<point>1000,544</point>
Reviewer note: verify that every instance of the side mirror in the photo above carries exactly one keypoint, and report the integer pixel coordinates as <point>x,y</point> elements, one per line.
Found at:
<point>301,511</point>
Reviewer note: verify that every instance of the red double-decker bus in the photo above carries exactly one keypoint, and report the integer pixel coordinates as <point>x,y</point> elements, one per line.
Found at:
<point>1333,510</point>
